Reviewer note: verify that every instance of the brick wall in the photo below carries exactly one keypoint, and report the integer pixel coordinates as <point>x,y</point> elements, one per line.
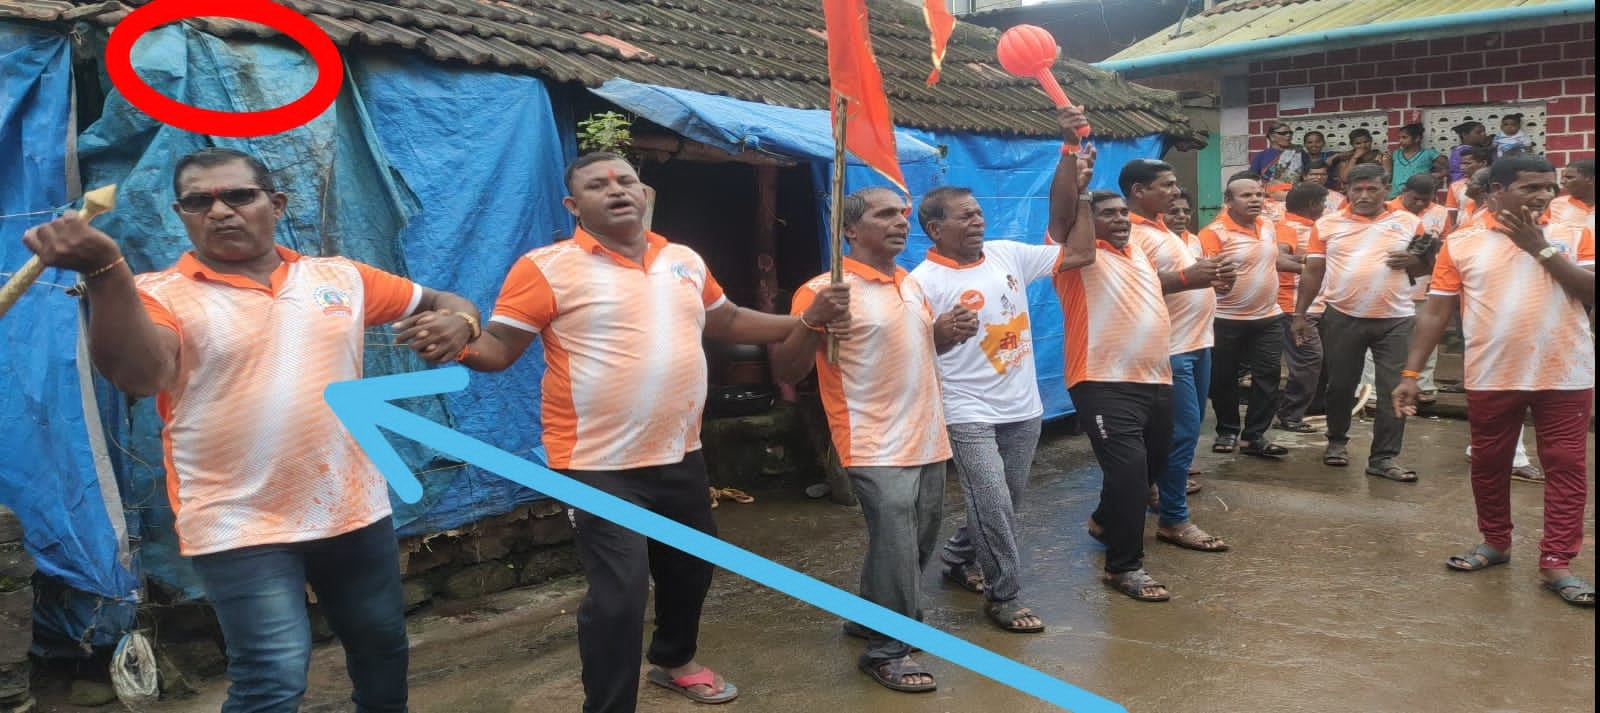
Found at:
<point>1552,64</point>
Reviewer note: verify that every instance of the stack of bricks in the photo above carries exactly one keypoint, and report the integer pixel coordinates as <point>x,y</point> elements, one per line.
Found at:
<point>16,616</point>
<point>1554,65</point>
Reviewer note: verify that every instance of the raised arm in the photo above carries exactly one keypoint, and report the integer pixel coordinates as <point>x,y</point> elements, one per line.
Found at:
<point>137,355</point>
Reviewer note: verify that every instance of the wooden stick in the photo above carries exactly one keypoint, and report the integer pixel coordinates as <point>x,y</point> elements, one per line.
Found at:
<point>836,217</point>
<point>95,202</point>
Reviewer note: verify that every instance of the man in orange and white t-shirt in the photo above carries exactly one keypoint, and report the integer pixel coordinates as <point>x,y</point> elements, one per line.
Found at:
<point>1416,198</point>
<point>1521,291</point>
<point>1317,172</point>
<point>1248,335</point>
<point>885,414</point>
<point>1303,356</point>
<point>1358,262</point>
<point>1576,205</point>
<point>622,312</point>
<point>1117,340</point>
<point>238,340</point>
<point>1188,284</point>
<point>1472,161</point>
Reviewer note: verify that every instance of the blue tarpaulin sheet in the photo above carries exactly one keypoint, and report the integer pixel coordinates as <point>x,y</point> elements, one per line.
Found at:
<point>415,170</point>
<point>49,474</point>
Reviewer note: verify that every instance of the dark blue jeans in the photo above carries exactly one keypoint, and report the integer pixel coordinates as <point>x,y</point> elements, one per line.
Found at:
<point>259,595</point>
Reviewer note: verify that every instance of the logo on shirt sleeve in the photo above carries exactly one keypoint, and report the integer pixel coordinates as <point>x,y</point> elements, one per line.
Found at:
<point>686,274</point>
<point>333,300</point>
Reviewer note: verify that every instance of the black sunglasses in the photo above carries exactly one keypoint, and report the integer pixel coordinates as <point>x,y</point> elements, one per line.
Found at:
<point>233,197</point>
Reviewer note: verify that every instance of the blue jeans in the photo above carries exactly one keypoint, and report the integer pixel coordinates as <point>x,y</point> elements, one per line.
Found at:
<point>259,595</point>
<point>1191,381</point>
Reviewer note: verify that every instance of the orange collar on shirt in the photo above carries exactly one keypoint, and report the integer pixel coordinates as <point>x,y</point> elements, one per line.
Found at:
<point>868,272</point>
<point>653,245</point>
<point>1141,220</point>
<point>1227,222</point>
<point>1350,212</point>
<point>938,259</point>
<point>191,266</point>
<point>1302,220</point>
<point>1124,251</point>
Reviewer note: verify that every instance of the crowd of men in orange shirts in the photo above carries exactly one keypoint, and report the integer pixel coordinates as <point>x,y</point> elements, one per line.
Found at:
<point>935,366</point>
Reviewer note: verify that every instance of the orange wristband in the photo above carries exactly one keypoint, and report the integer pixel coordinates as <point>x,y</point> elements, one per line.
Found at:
<point>1069,148</point>
<point>1409,374</point>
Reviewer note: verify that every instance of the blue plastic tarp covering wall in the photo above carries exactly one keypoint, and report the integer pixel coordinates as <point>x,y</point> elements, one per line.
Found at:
<point>48,475</point>
<point>415,169</point>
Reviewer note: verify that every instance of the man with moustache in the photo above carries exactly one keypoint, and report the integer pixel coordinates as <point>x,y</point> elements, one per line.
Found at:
<point>1359,263</point>
<point>990,389</point>
<point>622,312</point>
<point>1535,352</point>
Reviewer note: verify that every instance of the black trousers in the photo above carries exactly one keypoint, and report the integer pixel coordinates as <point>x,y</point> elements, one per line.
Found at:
<point>1256,347</point>
<point>620,564</point>
<point>1130,429</point>
<point>1345,341</point>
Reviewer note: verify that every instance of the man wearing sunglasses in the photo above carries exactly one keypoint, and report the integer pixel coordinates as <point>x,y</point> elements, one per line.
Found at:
<point>238,340</point>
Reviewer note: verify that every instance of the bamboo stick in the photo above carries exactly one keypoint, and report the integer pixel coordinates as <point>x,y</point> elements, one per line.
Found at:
<point>95,202</point>
<point>836,217</point>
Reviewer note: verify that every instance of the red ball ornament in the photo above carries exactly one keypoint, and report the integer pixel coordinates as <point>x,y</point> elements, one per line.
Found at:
<point>1030,51</point>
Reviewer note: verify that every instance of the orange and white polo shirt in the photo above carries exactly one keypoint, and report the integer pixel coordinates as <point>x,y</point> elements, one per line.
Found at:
<point>1435,219</point>
<point>1357,282</point>
<point>1189,313</point>
<point>1566,209</point>
<point>1254,252</point>
<point>1116,322</point>
<point>1456,196</point>
<point>1523,331</point>
<point>882,398</point>
<point>253,454</point>
<point>1336,202</point>
<point>1297,237</point>
<point>625,374</point>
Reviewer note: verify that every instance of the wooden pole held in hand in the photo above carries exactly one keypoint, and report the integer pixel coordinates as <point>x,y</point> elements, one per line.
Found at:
<point>95,202</point>
<point>836,215</point>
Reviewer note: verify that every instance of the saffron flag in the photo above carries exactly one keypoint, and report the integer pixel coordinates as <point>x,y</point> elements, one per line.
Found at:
<point>940,24</point>
<point>853,75</point>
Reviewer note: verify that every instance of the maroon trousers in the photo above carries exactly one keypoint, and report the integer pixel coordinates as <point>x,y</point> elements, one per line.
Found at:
<point>1561,424</point>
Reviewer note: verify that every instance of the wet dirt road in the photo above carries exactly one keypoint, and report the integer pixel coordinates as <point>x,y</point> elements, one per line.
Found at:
<point>1335,598</point>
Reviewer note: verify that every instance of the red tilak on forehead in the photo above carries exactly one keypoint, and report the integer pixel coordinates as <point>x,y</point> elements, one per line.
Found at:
<point>612,173</point>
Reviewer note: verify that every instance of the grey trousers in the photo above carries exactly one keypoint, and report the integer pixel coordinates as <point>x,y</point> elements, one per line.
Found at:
<point>1305,370</point>
<point>903,509</point>
<point>16,614</point>
<point>1345,341</point>
<point>992,461</point>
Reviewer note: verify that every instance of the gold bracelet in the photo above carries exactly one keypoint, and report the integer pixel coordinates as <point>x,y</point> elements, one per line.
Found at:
<point>477,331</point>
<point>106,269</point>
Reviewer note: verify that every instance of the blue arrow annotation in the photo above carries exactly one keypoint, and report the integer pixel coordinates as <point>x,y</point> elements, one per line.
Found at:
<point>364,408</point>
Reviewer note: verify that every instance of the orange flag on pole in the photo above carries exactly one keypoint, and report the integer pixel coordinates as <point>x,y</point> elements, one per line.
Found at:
<point>940,24</point>
<point>853,75</point>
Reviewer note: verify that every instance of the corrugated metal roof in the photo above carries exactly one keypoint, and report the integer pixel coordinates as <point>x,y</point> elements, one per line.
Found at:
<point>768,51</point>
<point>1250,21</point>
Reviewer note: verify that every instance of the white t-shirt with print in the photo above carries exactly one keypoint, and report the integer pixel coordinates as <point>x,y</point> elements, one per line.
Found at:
<point>991,377</point>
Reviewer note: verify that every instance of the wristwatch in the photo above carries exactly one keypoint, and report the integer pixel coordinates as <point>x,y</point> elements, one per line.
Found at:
<point>1548,252</point>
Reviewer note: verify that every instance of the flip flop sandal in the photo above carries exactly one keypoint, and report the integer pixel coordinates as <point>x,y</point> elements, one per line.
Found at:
<point>1097,531</point>
<point>1573,590</point>
<point>1528,474</point>
<point>1396,473</point>
<point>1134,583</point>
<point>890,673</point>
<point>1479,557</point>
<point>685,685</point>
<point>1006,614</point>
<point>1191,537</point>
<point>1297,427</point>
<point>1261,449</point>
<point>965,576</point>
<point>1193,486</point>
<point>734,494</point>
<point>1224,444</point>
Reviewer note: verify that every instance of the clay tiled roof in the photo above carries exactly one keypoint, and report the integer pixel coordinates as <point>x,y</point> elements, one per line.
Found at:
<point>770,51</point>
